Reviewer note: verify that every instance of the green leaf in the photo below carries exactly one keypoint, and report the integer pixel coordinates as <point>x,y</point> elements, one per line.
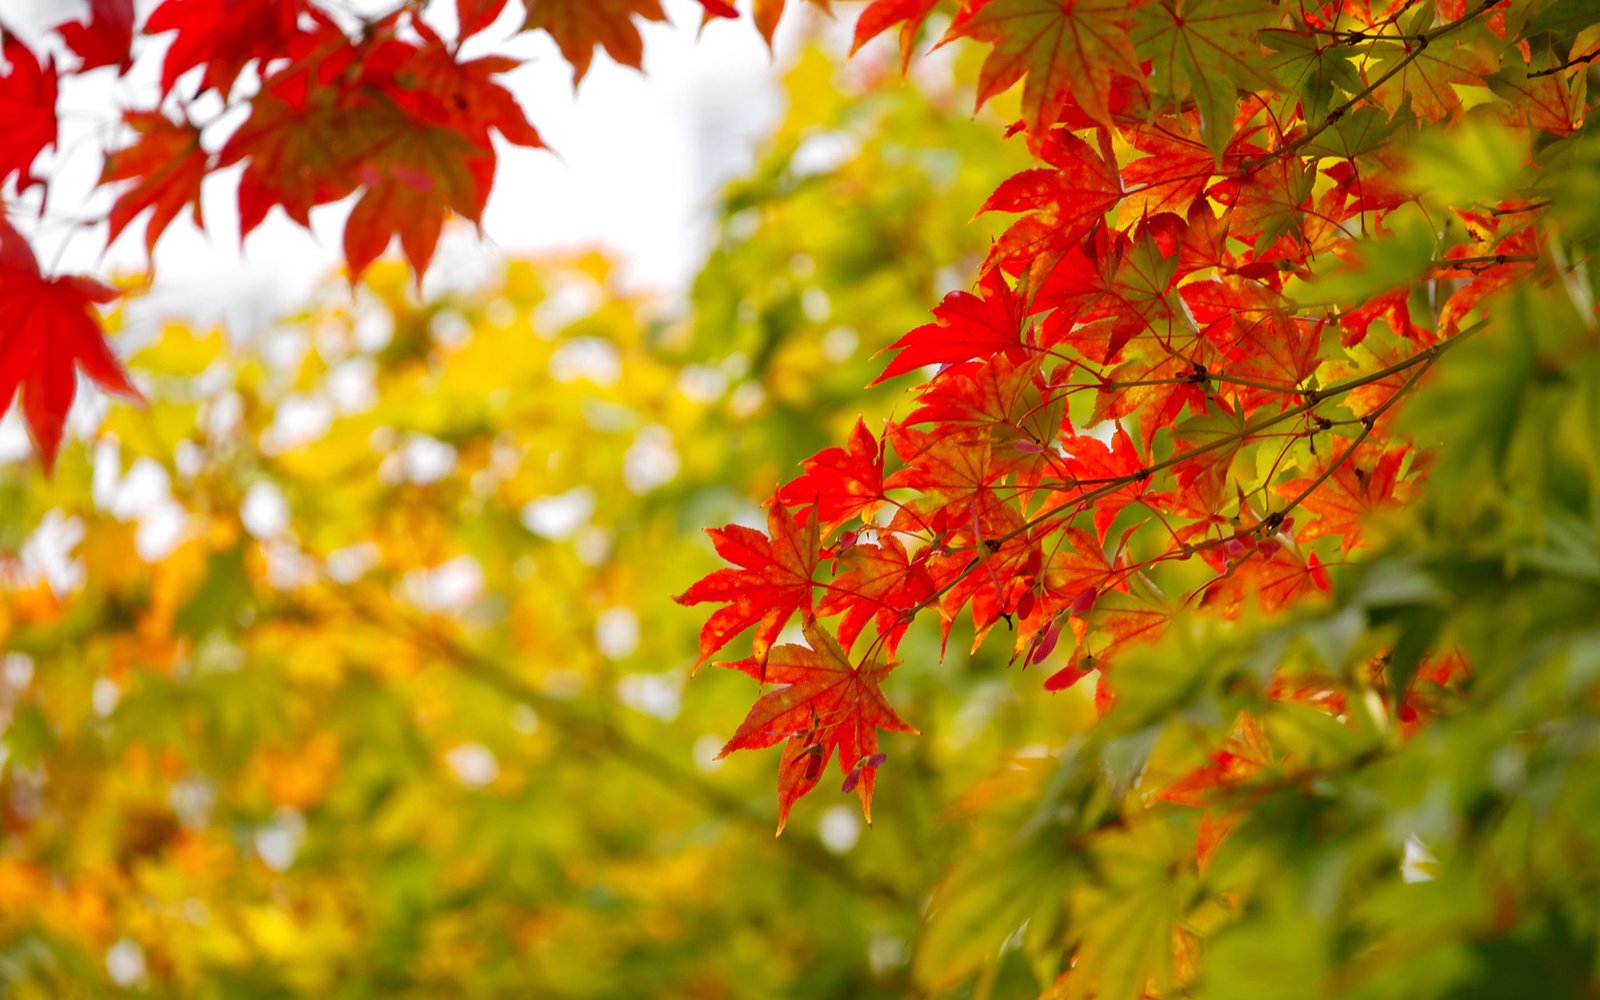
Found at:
<point>1207,50</point>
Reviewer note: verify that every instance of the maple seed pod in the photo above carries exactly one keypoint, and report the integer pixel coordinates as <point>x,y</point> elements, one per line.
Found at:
<point>1082,604</point>
<point>1045,644</point>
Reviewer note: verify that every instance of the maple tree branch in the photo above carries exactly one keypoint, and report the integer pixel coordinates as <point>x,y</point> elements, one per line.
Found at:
<point>1314,398</point>
<point>1574,61</point>
<point>1483,263</point>
<point>1415,47</point>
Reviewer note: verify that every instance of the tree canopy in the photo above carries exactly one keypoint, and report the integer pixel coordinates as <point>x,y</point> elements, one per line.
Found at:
<point>1202,601</point>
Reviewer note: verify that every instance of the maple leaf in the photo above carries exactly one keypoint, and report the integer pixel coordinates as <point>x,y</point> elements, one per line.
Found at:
<point>994,568</point>
<point>881,15</point>
<point>968,326</point>
<point>166,165</point>
<point>841,484</point>
<point>406,125</point>
<point>1254,329</point>
<point>27,110</point>
<point>1070,580</point>
<point>1430,82</point>
<point>49,330</point>
<point>223,36</point>
<point>1063,203</point>
<point>105,39</point>
<point>1173,173</point>
<point>826,704</point>
<point>1207,50</point>
<point>1113,625</point>
<point>1058,48</point>
<point>1366,481</point>
<point>879,582</point>
<point>773,581</point>
<point>767,13</point>
<point>581,26</point>
<point>1119,282</point>
<point>473,16</point>
<point>1276,573</point>
<point>1246,753</point>
<point>953,468</point>
<point>1095,465</point>
<point>1155,387</point>
<point>1005,399</point>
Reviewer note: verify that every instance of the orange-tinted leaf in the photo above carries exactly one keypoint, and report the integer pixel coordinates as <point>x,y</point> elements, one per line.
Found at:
<point>166,166</point>
<point>49,330</point>
<point>826,704</point>
<point>581,26</point>
<point>879,582</point>
<point>1058,49</point>
<point>404,124</point>
<point>1365,482</point>
<point>952,468</point>
<point>1004,399</point>
<point>1095,468</point>
<point>773,581</point>
<point>767,13</point>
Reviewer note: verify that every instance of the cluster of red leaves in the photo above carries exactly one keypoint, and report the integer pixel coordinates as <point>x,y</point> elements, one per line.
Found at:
<point>331,107</point>
<point>1130,413</point>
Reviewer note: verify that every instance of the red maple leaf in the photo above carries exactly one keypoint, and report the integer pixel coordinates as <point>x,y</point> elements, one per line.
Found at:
<point>1276,573</point>
<point>472,16</point>
<point>105,39</point>
<point>405,124</point>
<point>826,704</point>
<point>955,469</point>
<point>1110,475</point>
<point>166,165</point>
<point>773,581</point>
<point>840,484</point>
<point>879,582</point>
<point>223,36</point>
<point>968,326</point>
<point>1254,330</point>
<point>27,110</point>
<point>1113,625</point>
<point>1004,398</point>
<point>1173,173</point>
<point>1063,202</point>
<point>881,15</point>
<point>48,330</point>
<point>1364,482</point>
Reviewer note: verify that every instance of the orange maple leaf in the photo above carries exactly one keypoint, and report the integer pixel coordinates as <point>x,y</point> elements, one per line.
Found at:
<point>773,582</point>
<point>826,704</point>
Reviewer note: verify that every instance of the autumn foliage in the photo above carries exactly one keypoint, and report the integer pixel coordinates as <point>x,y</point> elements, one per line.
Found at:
<point>1159,449</point>
<point>1175,380</point>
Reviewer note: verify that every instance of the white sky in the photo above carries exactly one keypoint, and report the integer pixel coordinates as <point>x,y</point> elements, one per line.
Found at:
<point>639,160</point>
